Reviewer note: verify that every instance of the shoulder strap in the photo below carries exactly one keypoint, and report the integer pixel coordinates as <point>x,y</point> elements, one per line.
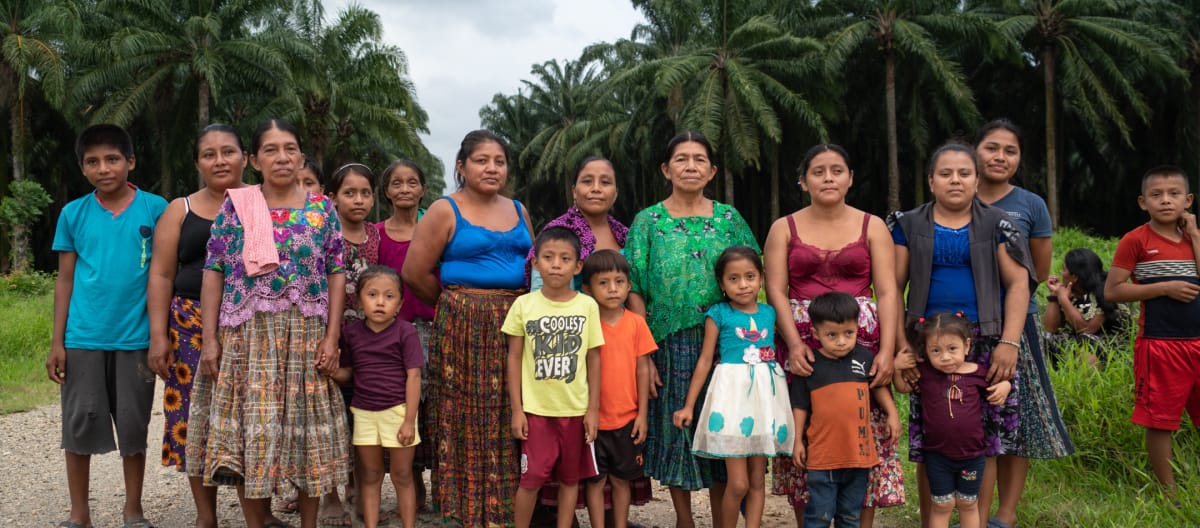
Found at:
<point>187,205</point>
<point>792,226</point>
<point>866,224</point>
<point>453,204</point>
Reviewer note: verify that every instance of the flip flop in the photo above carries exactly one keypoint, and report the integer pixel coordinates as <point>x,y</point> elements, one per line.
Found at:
<point>138,522</point>
<point>69,524</point>
<point>277,524</point>
<point>336,520</point>
<point>997,523</point>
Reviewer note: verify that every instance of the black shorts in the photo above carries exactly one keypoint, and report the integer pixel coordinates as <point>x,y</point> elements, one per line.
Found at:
<point>617,455</point>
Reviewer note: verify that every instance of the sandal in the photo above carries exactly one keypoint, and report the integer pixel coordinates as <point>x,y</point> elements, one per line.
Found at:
<point>336,520</point>
<point>70,524</point>
<point>290,505</point>
<point>138,522</point>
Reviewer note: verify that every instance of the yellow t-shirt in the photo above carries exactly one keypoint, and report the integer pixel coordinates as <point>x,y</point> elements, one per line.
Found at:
<point>557,337</point>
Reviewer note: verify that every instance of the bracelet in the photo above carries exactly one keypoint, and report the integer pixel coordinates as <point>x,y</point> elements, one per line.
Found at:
<point>1051,298</point>
<point>1014,344</point>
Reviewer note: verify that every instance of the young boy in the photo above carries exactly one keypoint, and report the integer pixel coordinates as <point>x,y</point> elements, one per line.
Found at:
<point>624,386</point>
<point>553,377</point>
<point>834,404</point>
<point>1161,257</point>
<point>101,329</point>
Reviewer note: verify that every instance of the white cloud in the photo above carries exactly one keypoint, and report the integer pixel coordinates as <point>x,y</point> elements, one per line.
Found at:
<point>462,52</point>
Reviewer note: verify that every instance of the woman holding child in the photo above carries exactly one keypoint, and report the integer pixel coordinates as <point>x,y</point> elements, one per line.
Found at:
<point>672,247</point>
<point>959,255</point>
<point>480,237</point>
<point>267,416</point>
<point>831,246</point>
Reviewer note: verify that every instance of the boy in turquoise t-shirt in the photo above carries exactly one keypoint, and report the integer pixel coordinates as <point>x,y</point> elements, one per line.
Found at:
<point>101,328</point>
<point>554,339</point>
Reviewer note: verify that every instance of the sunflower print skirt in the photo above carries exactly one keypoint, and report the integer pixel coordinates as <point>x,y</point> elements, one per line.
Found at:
<point>184,330</point>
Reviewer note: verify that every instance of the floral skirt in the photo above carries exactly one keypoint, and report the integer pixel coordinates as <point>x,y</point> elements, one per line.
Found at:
<point>1043,433</point>
<point>668,449</point>
<point>184,330</point>
<point>746,413</point>
<point>477,458</point>
<point>886,481</point>
<point>269,421</point>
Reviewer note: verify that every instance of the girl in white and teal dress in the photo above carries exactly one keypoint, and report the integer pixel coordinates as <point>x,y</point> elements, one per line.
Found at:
<point>751,419</point>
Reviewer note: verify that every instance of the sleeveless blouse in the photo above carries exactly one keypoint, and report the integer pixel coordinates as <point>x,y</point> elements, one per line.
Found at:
<point>813,271</point>
<point>192,251</point>
<point>392,253</point>
<point>477,257</point>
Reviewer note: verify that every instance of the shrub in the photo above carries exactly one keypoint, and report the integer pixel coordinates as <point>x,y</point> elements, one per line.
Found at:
<point>28,284</point>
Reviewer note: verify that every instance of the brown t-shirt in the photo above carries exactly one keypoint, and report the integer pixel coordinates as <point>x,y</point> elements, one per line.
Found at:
<point>837,397</point>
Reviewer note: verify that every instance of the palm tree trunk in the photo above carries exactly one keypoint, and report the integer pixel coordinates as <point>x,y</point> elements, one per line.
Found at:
<point>20,234</point>
<point>1051,136</point>
<point>918,182</point>
<point>202,117</point>
<point>893,143</point>
<point>774,182</point>
<point>728,185</point>
<point>166,177</point>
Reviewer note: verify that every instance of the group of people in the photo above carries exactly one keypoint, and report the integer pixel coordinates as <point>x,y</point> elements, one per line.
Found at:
<point>640,352</point>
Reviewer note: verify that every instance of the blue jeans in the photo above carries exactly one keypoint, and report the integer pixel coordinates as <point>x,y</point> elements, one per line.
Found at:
<point>836,494</point>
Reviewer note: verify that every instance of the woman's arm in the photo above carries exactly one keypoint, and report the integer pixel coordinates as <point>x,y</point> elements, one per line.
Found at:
<point>164,260</point>
<point>327,349</point>
<point>1016,303</point>
<point>775,260</point>
<point>210,301</point>
<point>429,240</point>
<point>887,297</point>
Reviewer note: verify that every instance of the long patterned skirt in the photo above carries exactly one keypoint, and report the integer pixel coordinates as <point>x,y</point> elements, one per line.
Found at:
<point>269,420</point>
<point>885,483</point>
<point>426,452</point>
<point>477,458</point>
<point>184,331</point>
<point>1043,433</point>
<point>668,449</point>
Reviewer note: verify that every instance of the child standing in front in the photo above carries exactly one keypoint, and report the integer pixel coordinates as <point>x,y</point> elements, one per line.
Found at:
<point>624,386</point>
<point>554,339</point>
<point>952,393</point>
<point>745,417</point>
<point>101,328</point>
<point>1161,256</point>
<point>832,410</point>
<point>382,355</point>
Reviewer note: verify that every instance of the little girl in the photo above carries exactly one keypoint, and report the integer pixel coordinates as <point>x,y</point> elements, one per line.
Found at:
<point>352,190</point>
<point>952,414</point>
<point>746,416</point>
<point>382,355</point>
<point>1076,310</point>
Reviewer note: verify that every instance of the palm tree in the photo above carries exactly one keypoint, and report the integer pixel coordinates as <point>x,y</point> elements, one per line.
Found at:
<point>29,58</point>
<point>896,28</point>
<point>1094,53</point>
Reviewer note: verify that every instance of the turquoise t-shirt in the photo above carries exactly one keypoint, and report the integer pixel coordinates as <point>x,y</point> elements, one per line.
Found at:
<point>740,331</point>
<point>108,302</point>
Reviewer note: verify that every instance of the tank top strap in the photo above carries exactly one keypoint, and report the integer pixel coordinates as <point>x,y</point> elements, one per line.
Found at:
<point>792,226</point>
<point>458,218</point>
<point>866,224</point>
<point>187,205</point>
<point>520,214</point>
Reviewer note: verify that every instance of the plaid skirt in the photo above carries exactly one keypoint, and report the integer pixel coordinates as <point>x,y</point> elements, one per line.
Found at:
<point>184,330</point>
<point>269,421</point>
<point>477,457</point>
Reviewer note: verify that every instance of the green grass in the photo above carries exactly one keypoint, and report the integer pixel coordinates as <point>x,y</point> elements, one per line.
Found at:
<point>25,326</point>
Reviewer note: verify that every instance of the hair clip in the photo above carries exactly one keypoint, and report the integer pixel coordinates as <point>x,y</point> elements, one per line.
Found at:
<point>959,314</point>
<point>921,320</point>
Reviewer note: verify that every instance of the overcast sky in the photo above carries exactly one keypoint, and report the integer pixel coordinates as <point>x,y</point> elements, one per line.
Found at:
<point>462,52</point>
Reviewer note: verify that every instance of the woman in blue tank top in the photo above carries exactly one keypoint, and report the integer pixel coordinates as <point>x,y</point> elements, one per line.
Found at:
<point>480,238</point>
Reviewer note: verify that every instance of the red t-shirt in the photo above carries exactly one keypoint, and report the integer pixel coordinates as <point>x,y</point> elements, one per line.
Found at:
<point>1153,258</point>
<point>624,343</point>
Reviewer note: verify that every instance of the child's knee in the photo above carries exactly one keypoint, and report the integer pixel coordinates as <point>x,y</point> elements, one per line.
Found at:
<point>966,503</point>
<point>371,474</point>
<point>737,487</point>
<point>942,503</point>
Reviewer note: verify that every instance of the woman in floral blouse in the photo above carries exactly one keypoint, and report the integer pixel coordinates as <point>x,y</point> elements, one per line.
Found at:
<point>671,249</point>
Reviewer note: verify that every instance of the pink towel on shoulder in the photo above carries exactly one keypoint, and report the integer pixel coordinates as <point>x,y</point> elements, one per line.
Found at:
<point>258,247</point>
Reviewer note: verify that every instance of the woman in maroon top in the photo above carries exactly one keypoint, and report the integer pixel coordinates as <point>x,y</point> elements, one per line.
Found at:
<point>831,246</point>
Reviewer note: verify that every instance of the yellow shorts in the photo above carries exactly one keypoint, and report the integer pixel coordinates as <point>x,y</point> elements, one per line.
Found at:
<point>379,428</point>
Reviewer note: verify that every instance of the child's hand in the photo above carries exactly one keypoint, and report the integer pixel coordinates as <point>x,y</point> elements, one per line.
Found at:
<point>1052,283</point>
<point>327,356</point>
<point>799,455</point>
<point>520,426</point>
<point>1181,291</point>
<point>800,359</point>
<point>999,392</point>
<point>1187,224</point>
<point>639,430</point>
<point>159,358</point>
<point>655,381</point>
<point>56,365</point>
<point>682,418</point>
<point>893,426</point>
<point>407,433</point>
<point>210,357</point>
<point>591,424</point>
<point>905,360</point>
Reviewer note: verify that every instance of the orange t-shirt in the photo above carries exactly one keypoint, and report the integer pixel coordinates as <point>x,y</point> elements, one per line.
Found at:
<point>624,343</point>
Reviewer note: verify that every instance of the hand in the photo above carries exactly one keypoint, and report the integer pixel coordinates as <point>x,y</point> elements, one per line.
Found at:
<point>799,455</point>
<point>327,356</point>
<point>591,423</point>
<point>905,360</point>
<point>1187,224</point>
<point>999,392</point>
<point>893,426</point>
<point>1181,291</point>
<point>682,418</point>
<point>639,430</point>
<point>881,369</point>
<point>407,433</point>
<point>210,357</point>
<point>160,357</point>
<point>1052,283</point>
<point>1004,363</point>
<point>520,426</point>
<point>655,381</point>
<point>800,359</point>
<point>56,364</point>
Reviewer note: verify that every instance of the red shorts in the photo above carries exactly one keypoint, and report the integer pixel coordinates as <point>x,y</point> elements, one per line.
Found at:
<point>1166,373</point>
<point>555,450</point>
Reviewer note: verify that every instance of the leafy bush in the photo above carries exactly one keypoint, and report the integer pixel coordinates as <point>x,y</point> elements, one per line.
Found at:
<point>28,284</point>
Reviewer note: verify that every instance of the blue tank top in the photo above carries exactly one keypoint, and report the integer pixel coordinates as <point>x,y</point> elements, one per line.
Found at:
<point>477,257</point>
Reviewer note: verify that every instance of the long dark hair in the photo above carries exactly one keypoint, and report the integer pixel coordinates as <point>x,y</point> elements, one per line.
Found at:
<point>1086,265</point>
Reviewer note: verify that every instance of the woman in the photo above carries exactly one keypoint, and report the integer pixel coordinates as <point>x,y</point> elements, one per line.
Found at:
<point>959,255</point>
<point>594,193</point>
<point>1043,433</point>
<point>831,246</point>
<point>672,247</point>
<point>403,185</point>
<point>268,417</point>
<point>481,238</point>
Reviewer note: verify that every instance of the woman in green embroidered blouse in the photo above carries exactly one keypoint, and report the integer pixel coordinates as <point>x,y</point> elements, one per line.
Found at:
<point>671,248</point>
